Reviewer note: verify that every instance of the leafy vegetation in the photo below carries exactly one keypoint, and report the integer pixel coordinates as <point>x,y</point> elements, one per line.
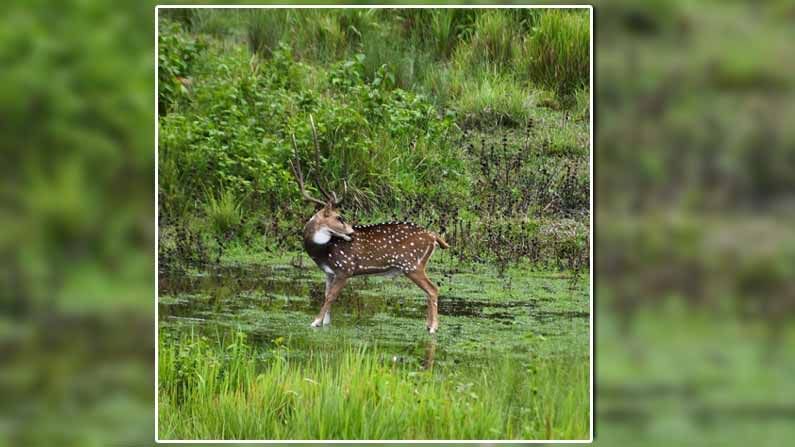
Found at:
<point>398,97</point>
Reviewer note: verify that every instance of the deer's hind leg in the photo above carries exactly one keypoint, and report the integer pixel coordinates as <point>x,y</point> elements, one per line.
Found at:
<point>432,314</point>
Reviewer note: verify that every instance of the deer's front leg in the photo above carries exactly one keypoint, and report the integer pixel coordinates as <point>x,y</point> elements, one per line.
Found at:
<point>327,317</point>
<point>334,285</point>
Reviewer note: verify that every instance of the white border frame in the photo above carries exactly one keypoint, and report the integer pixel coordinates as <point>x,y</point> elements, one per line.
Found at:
<point>591,229</point>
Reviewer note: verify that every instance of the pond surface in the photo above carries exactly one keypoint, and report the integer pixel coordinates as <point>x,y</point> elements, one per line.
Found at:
<point>520,315</point>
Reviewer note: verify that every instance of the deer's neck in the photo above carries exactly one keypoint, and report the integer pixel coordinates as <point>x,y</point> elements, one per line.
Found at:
<point>317,241</point>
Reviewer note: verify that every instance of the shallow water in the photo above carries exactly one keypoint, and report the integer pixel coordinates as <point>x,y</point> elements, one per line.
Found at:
<point>520,316</point>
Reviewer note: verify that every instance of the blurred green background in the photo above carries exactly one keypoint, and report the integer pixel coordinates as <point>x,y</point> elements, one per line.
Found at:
<point>694,249</point>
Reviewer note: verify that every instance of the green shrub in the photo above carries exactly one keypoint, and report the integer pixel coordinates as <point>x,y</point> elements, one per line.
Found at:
<point>565,141</point>
<point>582,103</point>
<point>236,131</point>
<point>223,211</point>
<point>494,100</point>
<point>178,52</point>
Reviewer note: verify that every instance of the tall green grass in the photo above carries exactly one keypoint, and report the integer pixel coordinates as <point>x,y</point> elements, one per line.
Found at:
<point>223,211</point>
<point>264,30</point>
<point>549,48</point>
<point>323,36</point>
<point>493,39</point>
<point>229,390</point>
<point>494,100</point>
<point>443,31</point>
<point>556,54</point>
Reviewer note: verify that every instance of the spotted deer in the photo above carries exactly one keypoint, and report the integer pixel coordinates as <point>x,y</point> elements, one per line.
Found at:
<point>343,251</point>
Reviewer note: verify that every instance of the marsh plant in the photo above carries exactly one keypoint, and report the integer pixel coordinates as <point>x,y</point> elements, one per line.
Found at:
<point>357,394</point>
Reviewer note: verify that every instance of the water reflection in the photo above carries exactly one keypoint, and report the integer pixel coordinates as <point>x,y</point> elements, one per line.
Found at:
<point>430,353</point>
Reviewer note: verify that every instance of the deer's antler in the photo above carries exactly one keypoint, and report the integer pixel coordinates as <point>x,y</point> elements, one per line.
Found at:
<point>334,197</point>
<point>299,175</point>
<point>317,158</point>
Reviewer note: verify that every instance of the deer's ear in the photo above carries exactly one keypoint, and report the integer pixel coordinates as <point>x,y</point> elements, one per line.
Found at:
<point>327,210</point>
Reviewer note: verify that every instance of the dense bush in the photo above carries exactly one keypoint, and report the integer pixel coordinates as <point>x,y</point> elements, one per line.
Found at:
<point>176,56</point>
<point>236,133</point>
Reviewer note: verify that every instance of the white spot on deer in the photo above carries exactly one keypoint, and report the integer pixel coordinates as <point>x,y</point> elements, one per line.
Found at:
<point>321,236</point>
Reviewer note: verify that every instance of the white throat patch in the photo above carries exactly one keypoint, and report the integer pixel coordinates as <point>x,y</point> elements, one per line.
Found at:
<point>321,236</point>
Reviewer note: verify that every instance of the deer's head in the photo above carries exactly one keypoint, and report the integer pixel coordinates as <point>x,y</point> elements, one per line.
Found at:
<point>328,223</point>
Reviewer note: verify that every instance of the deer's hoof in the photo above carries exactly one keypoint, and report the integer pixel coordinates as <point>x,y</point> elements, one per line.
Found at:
<point>316,323</point>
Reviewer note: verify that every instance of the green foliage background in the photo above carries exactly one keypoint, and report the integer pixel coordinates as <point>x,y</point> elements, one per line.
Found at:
<point>399,97</point>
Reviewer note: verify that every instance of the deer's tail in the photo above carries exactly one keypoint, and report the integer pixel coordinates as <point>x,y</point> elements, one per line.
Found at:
<point>440,241</point>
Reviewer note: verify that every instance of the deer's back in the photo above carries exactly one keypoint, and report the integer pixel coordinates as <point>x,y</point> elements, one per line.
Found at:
<point>383,248</point>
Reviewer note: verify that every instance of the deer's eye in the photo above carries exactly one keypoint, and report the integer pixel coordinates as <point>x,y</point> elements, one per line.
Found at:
<point>339,218</point>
